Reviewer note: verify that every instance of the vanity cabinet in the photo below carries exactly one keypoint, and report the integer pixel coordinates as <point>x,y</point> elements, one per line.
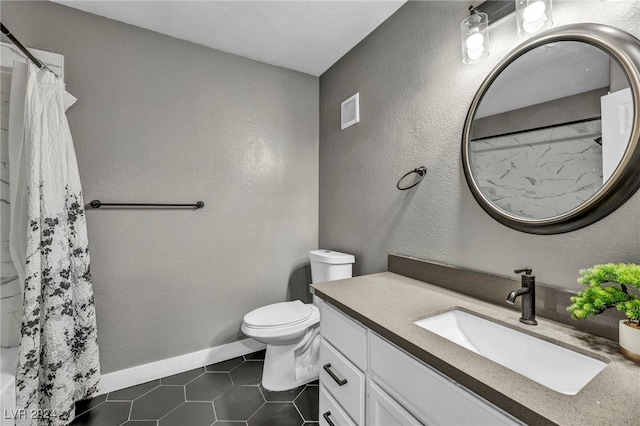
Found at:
<point>343,380</point>
<point>367,380</point>
<point>343,356</point>
<point>331,414</point>
<point>382,409</point>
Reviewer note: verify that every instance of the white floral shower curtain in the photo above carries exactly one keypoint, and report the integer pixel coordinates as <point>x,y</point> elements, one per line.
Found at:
<point>58,357</point>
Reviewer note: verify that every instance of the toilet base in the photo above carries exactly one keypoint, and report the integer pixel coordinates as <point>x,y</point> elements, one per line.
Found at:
<point>289,366</point>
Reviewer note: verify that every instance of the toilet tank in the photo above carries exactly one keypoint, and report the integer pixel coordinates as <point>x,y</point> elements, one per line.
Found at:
<point>329,265</point>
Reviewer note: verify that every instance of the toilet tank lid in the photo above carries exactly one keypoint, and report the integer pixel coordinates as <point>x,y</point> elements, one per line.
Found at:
<point>330,256</point>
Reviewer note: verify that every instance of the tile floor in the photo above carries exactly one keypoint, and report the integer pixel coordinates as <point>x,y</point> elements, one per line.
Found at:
<point>228,393</point>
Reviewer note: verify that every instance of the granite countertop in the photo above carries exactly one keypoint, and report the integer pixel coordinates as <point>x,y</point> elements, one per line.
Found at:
<point>389,303</point>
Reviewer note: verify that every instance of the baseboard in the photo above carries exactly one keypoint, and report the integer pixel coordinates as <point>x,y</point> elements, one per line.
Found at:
<point>156,370</point>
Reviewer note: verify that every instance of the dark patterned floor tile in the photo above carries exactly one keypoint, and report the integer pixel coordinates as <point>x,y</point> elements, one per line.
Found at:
<point>208,387</point>
<point>226,366</point>
<point>256,355</point>
<point>162,402</point>
<point>106,414</point>
<point>249,373</point>
<point>276,413</point>
<point>307,403</point>
<point>157,403</point>
<point>190,413</point>
<point>87,404</point>
<point>238,403</point>
<point>281,396</point>
<point>129,394</point>
<point>182,378</point>
<point>316,382</point>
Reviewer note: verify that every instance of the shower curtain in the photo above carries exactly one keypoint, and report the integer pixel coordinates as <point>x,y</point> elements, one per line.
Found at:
<point>58,356</point>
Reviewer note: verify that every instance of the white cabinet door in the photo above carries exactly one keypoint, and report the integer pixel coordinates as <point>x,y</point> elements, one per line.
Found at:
<point>617,120</point>
<point>343,381</point>
<point>345,334</point>
<point>382,410</point>
<point>429,395</point>
<point>331,414</point>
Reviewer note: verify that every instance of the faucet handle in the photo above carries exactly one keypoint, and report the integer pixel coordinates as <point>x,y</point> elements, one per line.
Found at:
<point>527,271</point>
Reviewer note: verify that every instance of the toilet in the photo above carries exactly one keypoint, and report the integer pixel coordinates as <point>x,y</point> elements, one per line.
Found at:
<point>291,330</point>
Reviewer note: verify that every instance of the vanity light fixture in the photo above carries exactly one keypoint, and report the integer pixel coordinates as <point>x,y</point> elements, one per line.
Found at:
<point>475,36</point>
<point>475,28</point>
<point>533,16</point>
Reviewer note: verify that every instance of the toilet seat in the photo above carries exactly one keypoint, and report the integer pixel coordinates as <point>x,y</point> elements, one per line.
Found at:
<point>282,322</point>
<point>284,314</point>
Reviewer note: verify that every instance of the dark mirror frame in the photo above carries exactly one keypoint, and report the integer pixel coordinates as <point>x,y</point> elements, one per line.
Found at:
<point>625,180</point>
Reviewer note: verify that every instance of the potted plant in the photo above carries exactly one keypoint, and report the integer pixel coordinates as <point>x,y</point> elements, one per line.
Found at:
<point>612,285</point>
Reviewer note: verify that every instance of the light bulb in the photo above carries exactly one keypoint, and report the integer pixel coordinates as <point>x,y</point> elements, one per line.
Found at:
<point>475,39</point>
<point>475,54</point>
<point>474,36</point>
<point>533,16</point>
<point>533,27</point>
<point>534,11</point>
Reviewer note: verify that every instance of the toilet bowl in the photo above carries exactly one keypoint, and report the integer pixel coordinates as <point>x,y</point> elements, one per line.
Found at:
<point>291,330</point>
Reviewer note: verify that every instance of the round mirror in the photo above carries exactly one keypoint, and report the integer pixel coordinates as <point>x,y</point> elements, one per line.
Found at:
<point>550,143</point>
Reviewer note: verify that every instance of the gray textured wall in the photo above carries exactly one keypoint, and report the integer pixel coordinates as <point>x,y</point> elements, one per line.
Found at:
<point>414,96</point>
<point>159,119</point>
<point>557,112</point>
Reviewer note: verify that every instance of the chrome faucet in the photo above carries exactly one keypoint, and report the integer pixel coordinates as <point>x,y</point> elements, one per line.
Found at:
<point>528,293</point>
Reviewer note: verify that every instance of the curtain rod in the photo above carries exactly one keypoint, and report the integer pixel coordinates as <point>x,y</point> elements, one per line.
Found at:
<point>36,61</point>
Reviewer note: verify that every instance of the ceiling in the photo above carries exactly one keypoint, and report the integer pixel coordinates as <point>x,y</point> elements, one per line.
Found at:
<point>548,72</point>
<point>306,36</point>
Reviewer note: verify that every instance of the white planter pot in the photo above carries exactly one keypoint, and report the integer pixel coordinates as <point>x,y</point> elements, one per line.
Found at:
<point>629,341</point>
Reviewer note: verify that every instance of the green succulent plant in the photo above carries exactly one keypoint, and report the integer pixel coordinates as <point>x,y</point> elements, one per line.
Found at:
<point>618,277</point>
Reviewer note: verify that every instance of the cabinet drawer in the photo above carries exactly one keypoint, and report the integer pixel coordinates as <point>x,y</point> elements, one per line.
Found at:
<point>427,394</point>
<point>382,410</point>
<point>346,385</point>
<point>345,334</point>
<point>330,412</point>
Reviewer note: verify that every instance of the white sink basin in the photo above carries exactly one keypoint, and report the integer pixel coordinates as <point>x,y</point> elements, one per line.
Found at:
<point>553,366</point>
